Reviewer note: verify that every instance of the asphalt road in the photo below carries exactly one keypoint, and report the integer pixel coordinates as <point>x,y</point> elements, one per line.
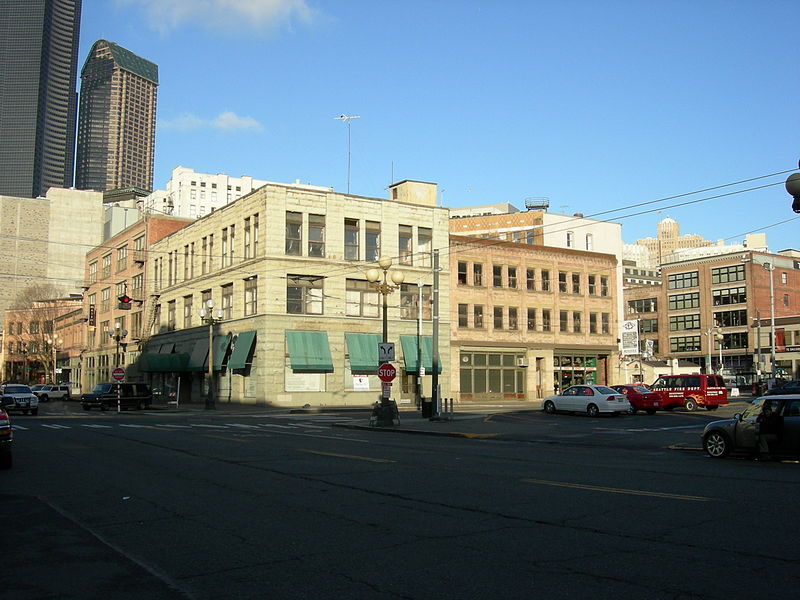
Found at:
<point>257,504</point>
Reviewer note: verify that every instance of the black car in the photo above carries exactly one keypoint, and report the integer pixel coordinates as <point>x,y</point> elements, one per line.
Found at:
<point>107,396</point>
<point>790,387</point>
<point>740,434</point>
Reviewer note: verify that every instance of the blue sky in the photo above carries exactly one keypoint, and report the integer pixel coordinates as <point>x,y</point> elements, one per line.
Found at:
<point>595,105</point>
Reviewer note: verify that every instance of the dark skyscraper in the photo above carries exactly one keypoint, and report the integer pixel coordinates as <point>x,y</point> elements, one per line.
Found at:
<point>38,101</point>
<point>117,120</point>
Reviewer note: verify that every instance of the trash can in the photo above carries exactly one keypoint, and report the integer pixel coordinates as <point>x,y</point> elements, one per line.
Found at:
<point>427,408</point>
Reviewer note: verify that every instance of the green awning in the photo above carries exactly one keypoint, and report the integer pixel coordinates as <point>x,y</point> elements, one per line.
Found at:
<point>221,343</point>
<point>409,344</point>
<point>163,363</point>
<point>197,361</point>
<point>242,350</point>
<point>363,351</point>
<point>309,351</point>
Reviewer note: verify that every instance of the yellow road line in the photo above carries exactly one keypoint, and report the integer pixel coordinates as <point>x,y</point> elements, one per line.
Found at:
<point>596,488</point>
<point>351,456</point>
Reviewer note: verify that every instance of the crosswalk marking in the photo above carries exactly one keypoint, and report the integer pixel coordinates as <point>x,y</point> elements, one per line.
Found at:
<point>96,426</point>
<point>56,426</point>
<point>19,428</point>
<point>209,426</point>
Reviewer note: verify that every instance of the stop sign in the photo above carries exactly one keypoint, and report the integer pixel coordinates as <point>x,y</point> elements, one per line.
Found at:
<point>386,372</point>
<point>118,374</point>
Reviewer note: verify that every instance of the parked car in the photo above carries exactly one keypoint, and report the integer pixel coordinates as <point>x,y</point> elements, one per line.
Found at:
<point>691,391</point>
<point>740,434</point>
<point>590,399</point>
<point>19,398</point>
<point>37,387</point>
<point>640,398</point>
<point>6,437</point>
<point>790,387</point>
<point>46,393</point>
<point>129,395</point>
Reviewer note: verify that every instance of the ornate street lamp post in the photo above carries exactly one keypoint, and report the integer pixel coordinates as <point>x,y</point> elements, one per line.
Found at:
<point>385,288</point>
<point>207,316</point>
<point>54,341</point>
<point>714,334</point>
<point>117,334</point>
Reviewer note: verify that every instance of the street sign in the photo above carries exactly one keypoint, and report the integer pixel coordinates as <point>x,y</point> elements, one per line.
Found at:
<point>118,374</point>
<point>385,352</point>
<point>386,372</point>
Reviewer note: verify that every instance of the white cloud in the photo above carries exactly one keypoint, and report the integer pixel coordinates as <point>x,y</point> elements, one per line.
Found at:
<point>227,15</point>
<point>226,122</point>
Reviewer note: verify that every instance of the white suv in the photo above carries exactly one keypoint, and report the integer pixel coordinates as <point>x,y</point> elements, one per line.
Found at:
<point>18,397</point>
<point>53,392</point>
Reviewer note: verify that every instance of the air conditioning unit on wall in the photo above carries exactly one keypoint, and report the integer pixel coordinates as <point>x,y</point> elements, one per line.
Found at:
<point>521,362</point>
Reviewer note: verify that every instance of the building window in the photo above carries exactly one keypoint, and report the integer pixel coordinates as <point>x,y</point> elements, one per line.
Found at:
<point>684,301</point>
<point>105,296</point>
<point>497,276</point>
<point>294,233</point>
<point>545,280</point>
<point>227,301</point>
<point>546,326</point>
<point>731,318</point>
<point>589,242</point>
<point>362,299</point>
<point>570,239</point>
<point>592,322</point>
<point>689,343</point>
<point>678,281</point>
<point>603,286</point>
<point>187,311</point>
<point>648,326</point>
<point>409,301</point>
<point>462,273</point>
<point>592,285</point>
<point>255,235</point>
<point>122,258</point>
<point>727,274</point>
<point>304,295</point>
<point>250,296</point>
<point>605,320</point>
<point>404,250</point>
<point>93,272</point>
<point>784,278</point>
<point>225,247</point>
<point>232,247</point>
<point>351,238</point>
<point>477,274</point>
<point>498,317</point>
<point>372,241</point>
<point>107,266</point>
<point>644,305</point>
<point>786,300</point>
<point>462,315</point>
<point>136,325</point>
<point>737,295</point>
<point>684,322</point>
<point>530,280</point>
<point>424,246</point>
<point>171,315</point>
<point>563,321</point>
<point>477,316</point>
<point>138,243</point>
<point>576,283</point>
<point>512,277</point>
<point>316,236</point>
<point>205,296</point>
<point>576,321</point>
<point>562,282</point>
<point>531,321</point>
<point>734,340</point>
<point>137,284</point>
<point>513,320</point>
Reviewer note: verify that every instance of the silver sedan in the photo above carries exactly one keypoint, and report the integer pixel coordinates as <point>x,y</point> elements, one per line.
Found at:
<point>590,399</point>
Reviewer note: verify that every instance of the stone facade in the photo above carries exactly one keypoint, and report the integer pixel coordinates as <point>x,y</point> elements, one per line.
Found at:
<point>291,259</point>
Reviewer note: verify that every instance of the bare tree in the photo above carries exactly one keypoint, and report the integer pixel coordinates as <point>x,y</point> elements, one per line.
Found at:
<point>29,326</point>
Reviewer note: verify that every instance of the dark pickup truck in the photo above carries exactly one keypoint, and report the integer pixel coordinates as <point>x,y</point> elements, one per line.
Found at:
<point>105,396</point>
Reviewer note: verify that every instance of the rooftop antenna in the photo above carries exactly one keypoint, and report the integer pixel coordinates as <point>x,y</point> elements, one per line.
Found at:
<point>347,119</point>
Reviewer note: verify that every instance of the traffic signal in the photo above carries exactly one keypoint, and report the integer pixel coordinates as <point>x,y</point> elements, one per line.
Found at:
<point>124,302</point>
<point>793,187</point>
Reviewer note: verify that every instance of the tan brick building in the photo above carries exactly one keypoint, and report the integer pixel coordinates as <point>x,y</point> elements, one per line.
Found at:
<point>300,324</point>
<point>526,319</point>
<point>113,269</point>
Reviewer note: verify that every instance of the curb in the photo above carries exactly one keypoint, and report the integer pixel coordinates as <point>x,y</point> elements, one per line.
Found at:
<point>458,434</point>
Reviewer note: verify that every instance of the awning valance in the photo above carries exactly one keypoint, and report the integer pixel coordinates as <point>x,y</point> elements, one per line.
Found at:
<point>163,363</point>
<point>409,344</point>
<point>363,351</point>
<point>221,344</point>
<point>242,350</point>
<point>309,351</point>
